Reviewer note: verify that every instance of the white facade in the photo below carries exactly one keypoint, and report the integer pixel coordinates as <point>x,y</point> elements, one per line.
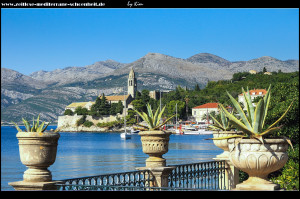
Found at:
<point>199,112</point>
<point>253,94</point>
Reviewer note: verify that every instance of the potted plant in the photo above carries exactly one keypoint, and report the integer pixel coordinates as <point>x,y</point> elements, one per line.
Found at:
<point>252,152</point>
<point>37,149</point>
<point>222,128</point>
<point>155,142</point>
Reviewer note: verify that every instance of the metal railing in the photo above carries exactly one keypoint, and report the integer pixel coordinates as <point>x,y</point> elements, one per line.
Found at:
<point>103,182</point>
<point>203,175</point>
<point>119,188</point>
<point>185,177</point>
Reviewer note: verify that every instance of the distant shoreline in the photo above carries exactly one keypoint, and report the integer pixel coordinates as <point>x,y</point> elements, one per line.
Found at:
<point>19,125</point>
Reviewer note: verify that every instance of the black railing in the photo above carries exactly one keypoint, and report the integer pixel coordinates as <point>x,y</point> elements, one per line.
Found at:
<point>203,175</point>
<point>186,177</point>
<point>119,188</point>
<point>124,179</point>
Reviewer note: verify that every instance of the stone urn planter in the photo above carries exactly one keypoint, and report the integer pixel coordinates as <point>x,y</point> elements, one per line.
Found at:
<point>223,143</point>
<point>258,160</point>
<point>37,152</point>
<point>155,144</point>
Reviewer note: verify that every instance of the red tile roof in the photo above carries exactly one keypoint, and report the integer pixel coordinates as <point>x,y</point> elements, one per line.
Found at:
<point>207,105</point>
<point>256,91</point>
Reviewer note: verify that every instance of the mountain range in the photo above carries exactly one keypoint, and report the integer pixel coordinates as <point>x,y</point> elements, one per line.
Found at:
<point>48,92</point>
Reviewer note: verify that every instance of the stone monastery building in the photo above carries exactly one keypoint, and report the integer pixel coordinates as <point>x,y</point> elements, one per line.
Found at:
<point>132,89</point>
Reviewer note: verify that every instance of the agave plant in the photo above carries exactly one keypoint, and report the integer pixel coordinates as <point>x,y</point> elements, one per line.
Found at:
<point>252,123</point>
<point>36,127</point>
<point>153,121</point>
<point>222,125</point>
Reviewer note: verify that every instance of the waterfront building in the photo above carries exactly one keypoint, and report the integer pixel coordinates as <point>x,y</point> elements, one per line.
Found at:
<point>253,94</point>
<point>131,90</point>
<point>199,112</point>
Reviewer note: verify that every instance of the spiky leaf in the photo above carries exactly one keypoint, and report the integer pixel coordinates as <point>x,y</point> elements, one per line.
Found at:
<point>258,115</point>
<point>27,125</point>
<point>17,127</point>
<point>241,112</point>
<point>249,106</point>
<point>37,122</point>
<point>281,116</point>
<point>44,129</point>
<point>267,98</point>
<point>40,128</point>
<point>236,122</point>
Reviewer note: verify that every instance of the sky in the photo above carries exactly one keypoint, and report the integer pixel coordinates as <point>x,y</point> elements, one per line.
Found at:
<point>50,38</point>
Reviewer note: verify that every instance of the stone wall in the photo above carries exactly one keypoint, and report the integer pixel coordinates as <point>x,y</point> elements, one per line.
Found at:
<point>68,123</point>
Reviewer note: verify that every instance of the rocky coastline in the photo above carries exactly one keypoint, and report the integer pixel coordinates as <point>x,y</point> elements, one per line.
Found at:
<point>91,129</point>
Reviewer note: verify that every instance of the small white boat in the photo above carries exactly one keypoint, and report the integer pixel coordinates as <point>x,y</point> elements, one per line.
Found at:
<point>178,131</point>
<point>190,128</point>
<point>125,135</point>
<point>197,132</point>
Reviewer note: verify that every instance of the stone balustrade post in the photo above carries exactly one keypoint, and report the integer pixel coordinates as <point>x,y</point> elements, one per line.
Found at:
<point>231,174</point>
<point>159,174</point>
<point>33,186</point>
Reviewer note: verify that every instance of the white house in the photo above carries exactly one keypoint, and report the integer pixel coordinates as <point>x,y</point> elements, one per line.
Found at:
<point>253,94</point>
<point>199,111</point>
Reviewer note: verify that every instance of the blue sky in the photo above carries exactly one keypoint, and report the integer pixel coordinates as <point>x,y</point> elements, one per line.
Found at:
<point>48,39</point>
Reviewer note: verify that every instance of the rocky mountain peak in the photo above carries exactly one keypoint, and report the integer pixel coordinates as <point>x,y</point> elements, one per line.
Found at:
<point>208,58</point>
<point>266,59</point>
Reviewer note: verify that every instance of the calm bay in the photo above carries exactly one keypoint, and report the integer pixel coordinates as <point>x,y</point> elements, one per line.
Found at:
<point>86,154</point>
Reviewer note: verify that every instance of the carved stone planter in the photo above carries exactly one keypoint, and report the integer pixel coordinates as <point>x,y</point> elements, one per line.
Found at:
<point>155,144</point>
<point>258,161</point>
<point>37,152</point>
<point>223,144</point>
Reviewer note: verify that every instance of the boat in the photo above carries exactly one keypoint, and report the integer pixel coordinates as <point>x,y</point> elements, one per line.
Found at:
<point>133,131</point>
<point>125,135</point>
<point>197,132</point>
<point>190,128</point>
<point>178,131</point>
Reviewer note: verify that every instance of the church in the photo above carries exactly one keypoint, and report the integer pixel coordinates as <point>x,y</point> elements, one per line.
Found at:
<point>131,92</point>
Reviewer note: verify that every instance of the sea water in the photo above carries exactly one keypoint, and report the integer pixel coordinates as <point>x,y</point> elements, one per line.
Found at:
<point>88,154</point>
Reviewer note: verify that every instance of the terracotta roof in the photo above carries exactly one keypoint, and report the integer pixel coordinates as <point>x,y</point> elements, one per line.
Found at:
<point>207,105</point>
<point>76,104</point>
<point>116,97</point>
<point>256,91</point>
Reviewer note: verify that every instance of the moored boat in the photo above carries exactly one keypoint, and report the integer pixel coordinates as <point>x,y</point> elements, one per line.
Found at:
<point>197,132</point>
<point>125,135</point>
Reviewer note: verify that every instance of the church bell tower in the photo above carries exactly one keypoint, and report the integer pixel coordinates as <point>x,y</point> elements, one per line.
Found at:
<point>132,84</point>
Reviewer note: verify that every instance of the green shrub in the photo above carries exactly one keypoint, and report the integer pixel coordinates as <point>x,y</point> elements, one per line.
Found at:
<point>289,175</point>
<point>108,124</point>
<point>68,112</point>
<point>88,123</point>
<point>81,111</point>
<point>81,120</point>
